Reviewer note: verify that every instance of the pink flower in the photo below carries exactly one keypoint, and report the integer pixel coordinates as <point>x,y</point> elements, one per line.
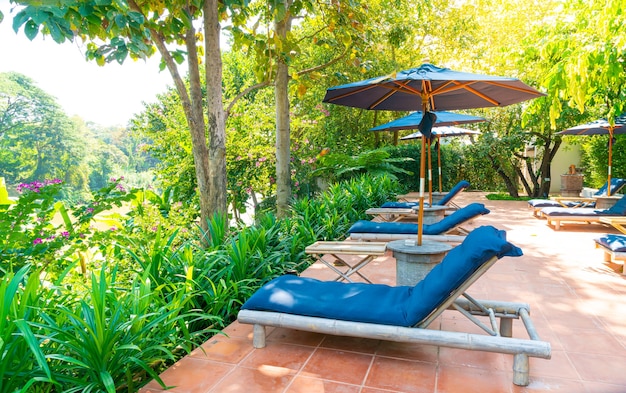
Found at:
<point>38,241</point>
<point>113,229</point>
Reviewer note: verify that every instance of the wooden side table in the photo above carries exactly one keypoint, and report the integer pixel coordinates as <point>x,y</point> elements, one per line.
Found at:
<point>366,250</point>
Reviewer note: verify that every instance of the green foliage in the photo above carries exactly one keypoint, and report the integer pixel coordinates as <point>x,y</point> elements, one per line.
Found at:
<point>22,360</point>
<point>595,159</point>
<point>338,166</point>
<point>38,140</point>
<point>103,341</point>
<point>330,215</point>
<point>587,72</point>
<point>505,197</point>
<point>153,294</point>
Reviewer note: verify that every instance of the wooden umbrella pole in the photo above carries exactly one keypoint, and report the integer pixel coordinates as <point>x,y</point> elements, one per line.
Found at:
<point>420,212</point>
<point>439,160</point>
<point>608,191</point>
<point>430,174</point>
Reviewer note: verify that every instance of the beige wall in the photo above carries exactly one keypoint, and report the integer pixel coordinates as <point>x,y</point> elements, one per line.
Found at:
<point>566,156</point>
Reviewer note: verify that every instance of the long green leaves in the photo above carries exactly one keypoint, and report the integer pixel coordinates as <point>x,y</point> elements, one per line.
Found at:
<point>22,361</point>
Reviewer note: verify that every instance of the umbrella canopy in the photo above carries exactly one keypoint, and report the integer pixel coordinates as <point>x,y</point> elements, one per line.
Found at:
<point>601,127</point>
<point>440,132</point>
<point>430,88</point>
<point>444,131</point>
<point>413,120</point>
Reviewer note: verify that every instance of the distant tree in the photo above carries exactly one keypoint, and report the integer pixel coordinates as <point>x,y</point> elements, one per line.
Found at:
<point>105,161</point>
<point>37,139</point>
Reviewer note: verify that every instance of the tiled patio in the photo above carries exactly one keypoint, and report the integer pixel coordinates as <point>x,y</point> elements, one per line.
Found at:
<point>577,303</point>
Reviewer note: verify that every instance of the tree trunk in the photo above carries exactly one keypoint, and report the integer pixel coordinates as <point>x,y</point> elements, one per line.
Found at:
<point>215,113</point>
<point>283,154</point>
<point>197,127</point>
<point>191,101</point>
<point>510,184</point>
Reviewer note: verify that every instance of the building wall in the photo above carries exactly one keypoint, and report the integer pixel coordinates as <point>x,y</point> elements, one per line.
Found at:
<point>565,156</point>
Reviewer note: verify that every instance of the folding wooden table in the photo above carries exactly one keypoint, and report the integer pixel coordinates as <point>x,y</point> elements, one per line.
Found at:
<point>367,251</point>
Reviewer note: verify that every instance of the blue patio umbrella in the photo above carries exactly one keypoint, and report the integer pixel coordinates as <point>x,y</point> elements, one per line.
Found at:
<point>411,121</point>
<point>444,119</point>
<point>430,88</point>
<point>601,127</point>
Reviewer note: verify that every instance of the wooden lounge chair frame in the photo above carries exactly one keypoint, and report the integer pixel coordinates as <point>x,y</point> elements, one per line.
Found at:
<point>587,198</point>
<point>499,338</point>
<point>455,235</point>
<point>613,256</point>
<point>555,220</point>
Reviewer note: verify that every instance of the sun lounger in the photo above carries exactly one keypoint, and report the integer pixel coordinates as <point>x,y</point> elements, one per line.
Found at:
<point>446,200</point>
<point>444,230</point>
<point>404,313</point>
<point>614,247</point>
<point>587,200</point>
<point>556,215</point>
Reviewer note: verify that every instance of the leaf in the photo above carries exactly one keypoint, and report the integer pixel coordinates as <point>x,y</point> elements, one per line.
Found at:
<point>31,29</point>
<point>301,90</point>
<point>107,379</point>
<point>33,344</point>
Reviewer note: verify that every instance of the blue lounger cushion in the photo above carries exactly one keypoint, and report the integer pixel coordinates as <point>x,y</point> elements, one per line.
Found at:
<point>574,211</point>
<point>463,184</point>
<point>460,186</point>
<point>537,203</point>
<point>615,243</point>
<point>447,223</point>
<point>379,303</point>
<point>616,185</point>
<point>401,205</point>
<point>618,209</point>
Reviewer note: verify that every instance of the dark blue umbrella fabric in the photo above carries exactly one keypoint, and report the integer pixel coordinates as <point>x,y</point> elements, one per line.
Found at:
<point>598,127</point>
<point>443,119</point>
<point>443,131</point>
<point>601,127</point>
<point>429,87</point>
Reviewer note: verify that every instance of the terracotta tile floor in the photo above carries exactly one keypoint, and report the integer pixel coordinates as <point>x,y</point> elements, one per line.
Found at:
<point>577,304</point>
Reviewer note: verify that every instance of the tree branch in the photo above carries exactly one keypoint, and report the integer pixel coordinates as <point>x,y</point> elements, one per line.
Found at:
<point>243,93</point>
<point>322,66</point>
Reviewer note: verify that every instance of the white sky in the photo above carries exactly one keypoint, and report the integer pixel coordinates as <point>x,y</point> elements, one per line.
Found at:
<point>108,95</point>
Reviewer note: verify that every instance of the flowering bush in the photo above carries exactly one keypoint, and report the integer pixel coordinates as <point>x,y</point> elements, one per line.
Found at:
<point>41,231</point>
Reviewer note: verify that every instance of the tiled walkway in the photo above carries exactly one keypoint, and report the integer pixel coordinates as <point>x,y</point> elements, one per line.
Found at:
<point>578,304</point>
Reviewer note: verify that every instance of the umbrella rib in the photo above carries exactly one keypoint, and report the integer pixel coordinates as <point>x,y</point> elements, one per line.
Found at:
<point>383,98</point>
<point>402,87</point>
<point>516,88</point>
<point>348,94</point>
<point>446,88</point>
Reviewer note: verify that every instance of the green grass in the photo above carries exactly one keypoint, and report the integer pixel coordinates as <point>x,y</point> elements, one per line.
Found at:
<point>506,197</point>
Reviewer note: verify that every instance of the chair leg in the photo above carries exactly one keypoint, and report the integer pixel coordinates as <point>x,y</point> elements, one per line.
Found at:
<point>521,370</point>
<point>506,327</point>
<point>258,336</point>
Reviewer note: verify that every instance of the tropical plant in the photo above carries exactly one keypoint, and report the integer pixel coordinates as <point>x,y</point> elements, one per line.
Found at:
<point>337,166</point>
<point>23,363</point>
